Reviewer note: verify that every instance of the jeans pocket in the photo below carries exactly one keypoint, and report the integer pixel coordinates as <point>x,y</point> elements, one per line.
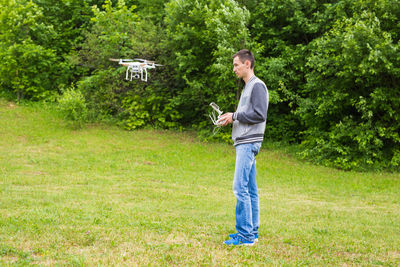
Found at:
<point>256,148</point>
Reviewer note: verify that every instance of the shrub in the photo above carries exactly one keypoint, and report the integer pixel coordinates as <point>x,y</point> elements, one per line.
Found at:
<point>202,37</point>
<point>352,111</point>
<point>29,67</point>
<point>73,107</point>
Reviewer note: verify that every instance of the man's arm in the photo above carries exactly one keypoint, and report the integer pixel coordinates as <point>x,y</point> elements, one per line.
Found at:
<point>259,104</point>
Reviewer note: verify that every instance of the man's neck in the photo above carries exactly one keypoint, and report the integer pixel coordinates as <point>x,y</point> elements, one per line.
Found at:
<point>248,76</point>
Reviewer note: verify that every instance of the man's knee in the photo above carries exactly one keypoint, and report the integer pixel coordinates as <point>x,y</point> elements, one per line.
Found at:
<point>241,193</point>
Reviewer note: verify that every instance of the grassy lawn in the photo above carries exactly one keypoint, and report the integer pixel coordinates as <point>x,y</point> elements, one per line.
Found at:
<point>104,196</point>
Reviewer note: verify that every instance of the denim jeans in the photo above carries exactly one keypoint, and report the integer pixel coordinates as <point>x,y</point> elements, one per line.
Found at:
<point>245,190</point>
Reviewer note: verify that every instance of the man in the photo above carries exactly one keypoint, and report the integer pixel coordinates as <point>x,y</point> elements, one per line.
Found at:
<point>247,133</point>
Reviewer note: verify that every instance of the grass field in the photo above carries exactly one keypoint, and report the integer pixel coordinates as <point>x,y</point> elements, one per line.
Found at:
<point>104,196</point>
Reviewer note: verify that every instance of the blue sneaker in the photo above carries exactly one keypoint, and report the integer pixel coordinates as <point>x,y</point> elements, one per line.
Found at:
<point>235,235</point>
<point>238,241</point>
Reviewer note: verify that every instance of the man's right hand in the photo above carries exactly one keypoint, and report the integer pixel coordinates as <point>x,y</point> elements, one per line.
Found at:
<point>225,119</point>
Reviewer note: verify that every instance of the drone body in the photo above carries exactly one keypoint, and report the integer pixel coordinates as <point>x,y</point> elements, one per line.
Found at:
<point>136,68</point>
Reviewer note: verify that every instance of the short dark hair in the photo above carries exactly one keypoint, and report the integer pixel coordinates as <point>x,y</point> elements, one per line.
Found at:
<point>244,55</point>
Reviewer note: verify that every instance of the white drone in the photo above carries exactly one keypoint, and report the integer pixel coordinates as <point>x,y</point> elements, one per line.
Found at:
<point>214,116</point>
<point>137,68</point>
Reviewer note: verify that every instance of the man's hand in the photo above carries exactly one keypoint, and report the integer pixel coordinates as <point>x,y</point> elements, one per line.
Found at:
<point>225,119</point>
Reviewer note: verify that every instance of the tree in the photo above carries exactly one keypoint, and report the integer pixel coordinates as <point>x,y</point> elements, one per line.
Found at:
<point>202,37</point>
<point>118,32</point>
<point>284,29</point>
<point>352,109</point>
<point>29,66</point>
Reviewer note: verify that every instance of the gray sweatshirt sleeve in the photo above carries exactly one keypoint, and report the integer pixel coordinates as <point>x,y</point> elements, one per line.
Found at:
<point>259,104</point>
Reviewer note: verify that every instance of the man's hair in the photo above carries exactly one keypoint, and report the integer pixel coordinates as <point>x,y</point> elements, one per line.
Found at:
<point>244,55</point>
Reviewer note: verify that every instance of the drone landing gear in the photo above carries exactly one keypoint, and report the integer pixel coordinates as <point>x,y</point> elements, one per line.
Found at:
<point>134,71</point>
<point>145,75</point>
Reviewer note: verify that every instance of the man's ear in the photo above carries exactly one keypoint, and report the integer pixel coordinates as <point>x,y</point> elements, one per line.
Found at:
<point>248,63</point>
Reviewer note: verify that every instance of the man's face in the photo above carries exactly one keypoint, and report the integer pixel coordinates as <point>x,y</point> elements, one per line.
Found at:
<point>239,68</point>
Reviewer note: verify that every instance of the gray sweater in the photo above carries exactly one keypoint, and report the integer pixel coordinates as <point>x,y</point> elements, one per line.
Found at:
<point>251,115</point>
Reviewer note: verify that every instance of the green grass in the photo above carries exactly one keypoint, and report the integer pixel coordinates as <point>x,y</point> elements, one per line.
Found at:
<point>104,196</point>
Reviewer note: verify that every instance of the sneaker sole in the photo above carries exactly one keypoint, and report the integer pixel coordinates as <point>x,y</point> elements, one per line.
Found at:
<point>255,240</point>
<point>242,244</point>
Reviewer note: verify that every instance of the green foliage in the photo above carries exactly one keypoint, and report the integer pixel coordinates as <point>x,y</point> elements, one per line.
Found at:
<point>69,18</point>
<point>28,70</point>
<point>331,67</point>
<point>110,36</point>
<point>73,107</point>
<point>134,104</point>
<point>284,28</point>
<point>152,10</point>
<point>28,65</point>
<point>117,32</point>
<point>203,36</point>
<point>140,111</point>
<point>101,91</point>
<point>352,110</point>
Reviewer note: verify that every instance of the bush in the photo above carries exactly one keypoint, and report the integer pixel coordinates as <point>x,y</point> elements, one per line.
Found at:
<point>29,66</point>
<point>117,32</point>
<point>352,113</point>
<point>202,37</point>
<point>73,107</point>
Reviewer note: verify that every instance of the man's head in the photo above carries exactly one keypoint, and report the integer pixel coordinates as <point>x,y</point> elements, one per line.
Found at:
<point>244,55</point>
<point>243,64</point>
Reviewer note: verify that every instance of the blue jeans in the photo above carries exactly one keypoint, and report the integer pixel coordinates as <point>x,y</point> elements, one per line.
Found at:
<point>245,190</point>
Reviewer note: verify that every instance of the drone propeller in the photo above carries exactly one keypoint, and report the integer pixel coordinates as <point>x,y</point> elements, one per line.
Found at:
<point>153,63</point>
<point>143,60</point>
<point>148,61</point>
<point>120,59</point>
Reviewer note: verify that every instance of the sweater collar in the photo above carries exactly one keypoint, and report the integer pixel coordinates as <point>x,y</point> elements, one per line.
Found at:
<point>251,79</point>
